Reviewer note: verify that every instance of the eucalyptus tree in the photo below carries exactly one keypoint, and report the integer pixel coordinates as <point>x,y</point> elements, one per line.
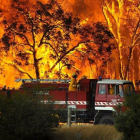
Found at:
<point>41,36</point>
<point>123,18</point>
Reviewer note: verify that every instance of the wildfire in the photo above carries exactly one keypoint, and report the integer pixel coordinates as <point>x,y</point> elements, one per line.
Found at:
<point>112,12</point>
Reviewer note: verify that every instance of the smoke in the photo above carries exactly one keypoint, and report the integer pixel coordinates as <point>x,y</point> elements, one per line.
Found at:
<point>82,8</point>
<point>5,5</point>
<point>79,8</point>
<point>88,9</point>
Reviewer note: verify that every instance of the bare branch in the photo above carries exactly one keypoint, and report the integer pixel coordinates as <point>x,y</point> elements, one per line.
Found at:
<point>39,59</point>
<point>51,47</point>
<point>19,69</point>
<point>47,31</point>
<point>72,49</point>
<point>135,32</point>
<point>20,34</point>
<point>32,31</point>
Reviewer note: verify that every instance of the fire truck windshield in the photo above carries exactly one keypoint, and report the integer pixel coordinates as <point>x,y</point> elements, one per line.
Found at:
<point>128,88</point>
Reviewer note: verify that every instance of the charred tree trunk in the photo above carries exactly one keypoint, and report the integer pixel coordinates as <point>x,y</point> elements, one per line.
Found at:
<point>36,65</point>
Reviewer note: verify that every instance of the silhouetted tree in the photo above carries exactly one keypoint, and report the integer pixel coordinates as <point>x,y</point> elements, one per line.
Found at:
<point>38,32</point>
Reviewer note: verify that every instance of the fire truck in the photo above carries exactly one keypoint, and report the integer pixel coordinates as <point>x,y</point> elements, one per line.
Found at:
<point>93,102</point>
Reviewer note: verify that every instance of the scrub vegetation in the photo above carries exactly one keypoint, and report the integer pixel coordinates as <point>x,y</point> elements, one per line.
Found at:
<point>128,122</point>
<point>25,117</point>
<point>88,132</point>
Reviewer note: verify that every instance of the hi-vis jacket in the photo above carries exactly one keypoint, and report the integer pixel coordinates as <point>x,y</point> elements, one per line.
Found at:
<point>73,85</point>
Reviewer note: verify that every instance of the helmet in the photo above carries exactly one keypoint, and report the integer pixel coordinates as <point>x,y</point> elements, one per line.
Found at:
<point>74,75</point>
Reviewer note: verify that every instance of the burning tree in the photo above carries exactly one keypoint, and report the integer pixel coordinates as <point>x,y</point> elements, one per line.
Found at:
<point>123,18</point>
<point>98,49</point>
<point>31,32</point>
<point>44,36</point>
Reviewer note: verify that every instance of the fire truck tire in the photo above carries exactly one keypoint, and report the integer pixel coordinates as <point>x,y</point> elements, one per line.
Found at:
<point>108,120</point>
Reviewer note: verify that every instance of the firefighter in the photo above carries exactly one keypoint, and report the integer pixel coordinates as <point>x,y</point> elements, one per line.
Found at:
<point>73,83</point>
<point>111,90</point>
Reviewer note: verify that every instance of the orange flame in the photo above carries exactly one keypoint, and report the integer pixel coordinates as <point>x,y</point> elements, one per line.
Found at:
<point>89,10</point>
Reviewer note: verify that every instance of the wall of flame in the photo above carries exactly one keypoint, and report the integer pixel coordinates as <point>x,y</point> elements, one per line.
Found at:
<point>92,11</point>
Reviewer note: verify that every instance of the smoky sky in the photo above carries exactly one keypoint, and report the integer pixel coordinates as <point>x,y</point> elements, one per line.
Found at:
<point>88,9</point>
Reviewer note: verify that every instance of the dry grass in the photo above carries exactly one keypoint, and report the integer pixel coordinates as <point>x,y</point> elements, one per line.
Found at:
<point>87,132</point>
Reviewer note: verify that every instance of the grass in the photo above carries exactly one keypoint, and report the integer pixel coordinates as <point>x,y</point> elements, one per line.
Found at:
<point>87,132</point>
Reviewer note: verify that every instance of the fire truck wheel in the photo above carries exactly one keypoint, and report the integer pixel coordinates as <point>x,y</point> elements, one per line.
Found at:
<point>108,120</point>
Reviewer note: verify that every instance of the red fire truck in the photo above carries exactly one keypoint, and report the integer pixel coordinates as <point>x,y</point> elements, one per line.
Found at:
<point>94,101</point>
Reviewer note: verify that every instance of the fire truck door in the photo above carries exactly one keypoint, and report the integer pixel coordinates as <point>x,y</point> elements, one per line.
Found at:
<point>101,94</point>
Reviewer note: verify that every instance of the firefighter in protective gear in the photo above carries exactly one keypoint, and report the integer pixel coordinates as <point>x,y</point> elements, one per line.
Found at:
<point>73,83</point>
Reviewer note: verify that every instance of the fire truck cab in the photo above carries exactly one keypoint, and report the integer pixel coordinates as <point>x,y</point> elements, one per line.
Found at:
<point>109,94</point>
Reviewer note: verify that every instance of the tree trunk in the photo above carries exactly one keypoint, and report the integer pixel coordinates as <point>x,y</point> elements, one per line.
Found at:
<point>136,67</point>
<point>128,62</point>
<point>120,66</point>
<point>120,62</point>
<point>36,66</point>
